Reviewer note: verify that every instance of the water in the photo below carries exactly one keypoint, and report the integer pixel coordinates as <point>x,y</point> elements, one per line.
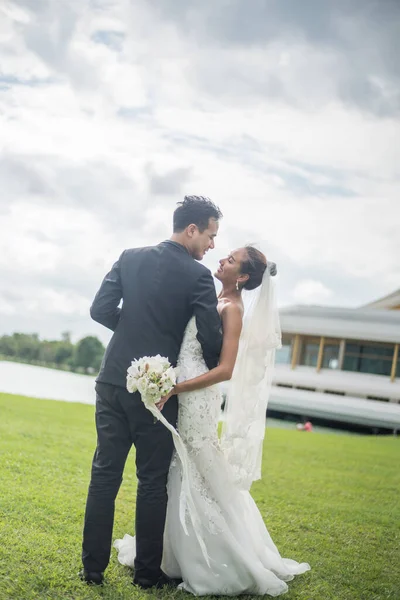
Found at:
<point>39,382</point>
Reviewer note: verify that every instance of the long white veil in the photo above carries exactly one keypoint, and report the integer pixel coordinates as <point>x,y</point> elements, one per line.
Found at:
<point>243,429</point>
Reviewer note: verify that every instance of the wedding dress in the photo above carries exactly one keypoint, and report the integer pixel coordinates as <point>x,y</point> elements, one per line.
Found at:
<point>226,548</point>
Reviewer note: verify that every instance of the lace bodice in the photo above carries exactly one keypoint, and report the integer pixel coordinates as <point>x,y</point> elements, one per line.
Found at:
<point>199,410</point>
<point>198,418</point>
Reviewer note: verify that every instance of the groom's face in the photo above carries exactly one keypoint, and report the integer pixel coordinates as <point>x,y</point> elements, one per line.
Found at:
<point>203,241</point>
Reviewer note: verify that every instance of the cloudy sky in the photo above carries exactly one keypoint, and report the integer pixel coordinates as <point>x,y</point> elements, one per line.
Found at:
<point>285,113</point>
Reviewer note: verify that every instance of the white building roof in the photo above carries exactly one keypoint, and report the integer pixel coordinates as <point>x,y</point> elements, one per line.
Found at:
<point>388,302</point>
<point>350,323</point>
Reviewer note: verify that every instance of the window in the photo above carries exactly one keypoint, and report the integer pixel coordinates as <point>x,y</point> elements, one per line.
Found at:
<point>330,358</point>
<point>368,358</point>
<point>309,352</point>
<point>284,355</point>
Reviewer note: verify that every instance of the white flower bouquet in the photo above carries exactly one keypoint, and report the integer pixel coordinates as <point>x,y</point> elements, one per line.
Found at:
<point>151,376</point>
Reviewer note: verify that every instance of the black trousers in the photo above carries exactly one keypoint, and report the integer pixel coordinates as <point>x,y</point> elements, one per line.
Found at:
<point>122,420</point>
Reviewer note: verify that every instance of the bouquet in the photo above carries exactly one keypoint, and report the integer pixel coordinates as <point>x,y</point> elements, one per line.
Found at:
<point>151,376</point>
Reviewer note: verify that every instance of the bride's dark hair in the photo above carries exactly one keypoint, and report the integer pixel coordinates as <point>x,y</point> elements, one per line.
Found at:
<point>254,267</point>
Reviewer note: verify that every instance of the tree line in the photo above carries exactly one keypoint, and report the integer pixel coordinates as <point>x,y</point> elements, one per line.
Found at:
<point>83,357</point>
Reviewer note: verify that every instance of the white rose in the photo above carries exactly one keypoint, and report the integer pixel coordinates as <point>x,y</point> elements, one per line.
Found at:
<point>153,390</point>
<point>142,385</point>
<point>163,361</point>
<point>131,384</point>
<point>151,395</point>
<point>154,365</point>
<point>133,370</point>
<point>165,383</point>
<point>170,375</point>
<point>166,388</point>
<point>141,364</point>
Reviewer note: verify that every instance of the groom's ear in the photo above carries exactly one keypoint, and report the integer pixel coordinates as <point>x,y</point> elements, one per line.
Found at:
<point>191,229</point>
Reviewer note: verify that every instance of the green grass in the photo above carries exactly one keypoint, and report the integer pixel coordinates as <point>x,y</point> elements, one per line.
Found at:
<point>330,500</point>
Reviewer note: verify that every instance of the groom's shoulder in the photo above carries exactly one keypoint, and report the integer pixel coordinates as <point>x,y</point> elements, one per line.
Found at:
<point>130,253</point>
<point>200,274</point>
<point>201,269</point>
<point>185,261</point>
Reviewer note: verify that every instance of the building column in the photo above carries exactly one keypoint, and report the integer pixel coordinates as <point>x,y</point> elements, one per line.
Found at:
<point>342,349</point>
<point>320,353</point>
<point>296,347</point>
<point>394,363</point>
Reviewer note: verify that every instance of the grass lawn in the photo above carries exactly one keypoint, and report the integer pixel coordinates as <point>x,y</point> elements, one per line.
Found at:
<point>332,501</point>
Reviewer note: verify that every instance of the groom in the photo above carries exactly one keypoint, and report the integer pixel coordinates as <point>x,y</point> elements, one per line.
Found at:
<point>161,287</point>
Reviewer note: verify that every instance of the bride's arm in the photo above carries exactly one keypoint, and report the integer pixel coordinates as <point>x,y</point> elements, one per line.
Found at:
<point>231,315</point>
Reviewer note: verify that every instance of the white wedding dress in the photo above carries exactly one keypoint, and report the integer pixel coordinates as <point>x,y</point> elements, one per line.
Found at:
<point>241,557</point>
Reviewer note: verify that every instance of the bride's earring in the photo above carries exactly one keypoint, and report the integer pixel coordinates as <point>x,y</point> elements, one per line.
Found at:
<point>237,286</point>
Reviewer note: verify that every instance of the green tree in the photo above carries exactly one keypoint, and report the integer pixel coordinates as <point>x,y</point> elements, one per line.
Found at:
<point>63,353</point>
<point>88,353</point>
<point>47,352</point>
<point>8,346</point>
<point>27,345</point>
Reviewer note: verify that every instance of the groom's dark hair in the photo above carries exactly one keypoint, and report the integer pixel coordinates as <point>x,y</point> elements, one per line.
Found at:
<point>197,210</point>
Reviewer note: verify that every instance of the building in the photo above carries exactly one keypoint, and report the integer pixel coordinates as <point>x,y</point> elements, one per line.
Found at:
<point>341,364</point>
<point>391,302</point>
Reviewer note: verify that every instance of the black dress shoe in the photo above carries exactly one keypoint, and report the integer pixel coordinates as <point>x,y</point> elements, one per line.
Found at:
<point>159,583</point>
<point>92,577</point>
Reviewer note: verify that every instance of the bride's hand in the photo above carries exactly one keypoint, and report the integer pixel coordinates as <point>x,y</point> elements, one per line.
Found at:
<point>164,399</point>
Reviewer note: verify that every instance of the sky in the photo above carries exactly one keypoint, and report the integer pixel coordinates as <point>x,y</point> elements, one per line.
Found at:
<point>286,114</point>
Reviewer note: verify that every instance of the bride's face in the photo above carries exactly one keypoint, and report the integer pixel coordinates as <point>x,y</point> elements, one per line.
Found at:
<point>230,267</point>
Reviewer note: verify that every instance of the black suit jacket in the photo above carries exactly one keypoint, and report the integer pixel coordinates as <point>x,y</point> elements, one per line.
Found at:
<point>161,288</point>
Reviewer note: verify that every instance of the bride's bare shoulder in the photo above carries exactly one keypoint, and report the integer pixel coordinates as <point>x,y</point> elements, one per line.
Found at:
<point>232,322</point>
<point>232,308</point>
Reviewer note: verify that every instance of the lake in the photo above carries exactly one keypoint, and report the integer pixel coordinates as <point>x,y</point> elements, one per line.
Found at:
<point>39,382</point>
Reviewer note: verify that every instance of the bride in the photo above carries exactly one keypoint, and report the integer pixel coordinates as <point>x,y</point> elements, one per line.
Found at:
<point>215,539</point>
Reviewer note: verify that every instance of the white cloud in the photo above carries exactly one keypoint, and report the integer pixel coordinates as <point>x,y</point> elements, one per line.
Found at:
<point>310,291</point>
<point>110,112</point>
<point>6,308</point>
